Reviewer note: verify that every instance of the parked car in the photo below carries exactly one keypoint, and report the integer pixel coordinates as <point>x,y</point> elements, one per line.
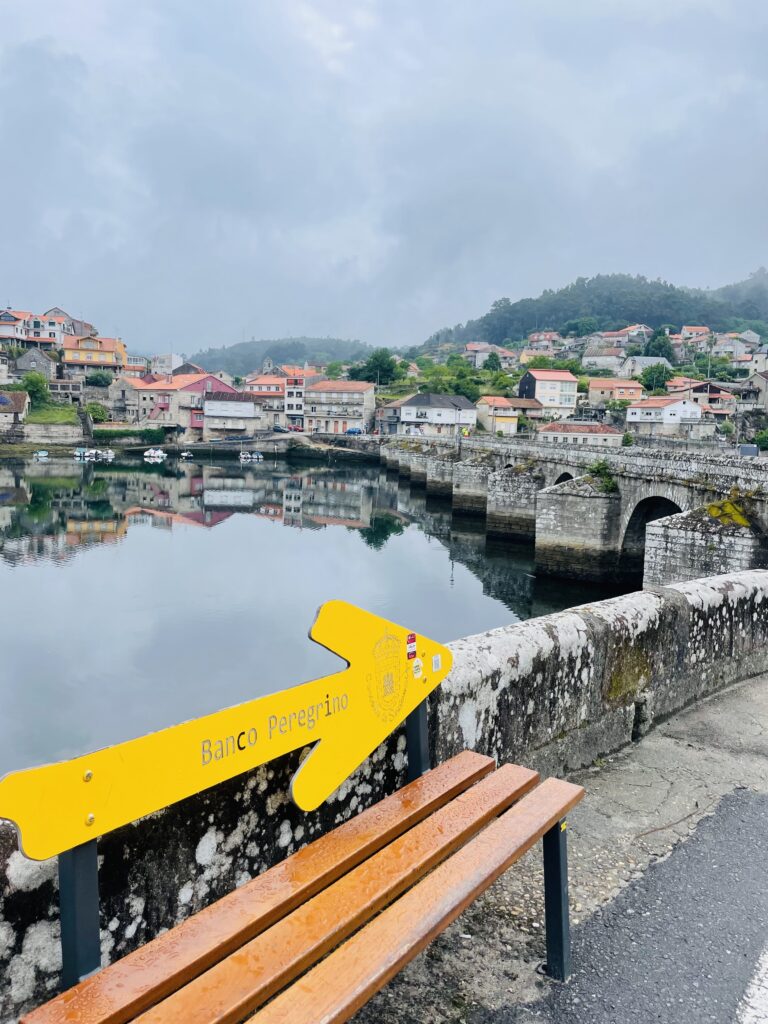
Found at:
<point>277,429</point>
<point>353,430</point>
<point>297,428</point>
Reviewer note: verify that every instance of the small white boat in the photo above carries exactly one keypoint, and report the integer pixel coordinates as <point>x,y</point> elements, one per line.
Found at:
<point>251,457</point>
<point>155,454</point>
<point>106,455</point>
<point>40,454</point>
<point>186,456</point>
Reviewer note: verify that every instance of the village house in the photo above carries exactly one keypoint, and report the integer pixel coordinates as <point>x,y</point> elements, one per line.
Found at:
<point>83,355</point>
<point>633,366</point>
<point>706,393</point>
<point>231,412</point>
<point>612,389</point>
<point>688,333</point>
<point>35,360</point>
<point>602,358</point>
<point>529,407</point>
<point>497,415</point>
<point>335,406</point>
<point>437,415</point>
<point>555,389</point>
<point>387,416</point>
<point>270,392</point>
<point>667,417</point>
<point>543,339</point>
<point>164,364</point>
<point>478,352</point>
<point>14,406</point>
<point>575,432</point>
<point>172,401</point>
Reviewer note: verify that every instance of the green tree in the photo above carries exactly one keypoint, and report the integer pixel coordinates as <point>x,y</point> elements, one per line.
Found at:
<point>761,440</point>
<point>380,367</point>
<point>333,369</point>
<point>98,412</point>
<point>492,363</point>
<point>99,379</point>
<point>655,377</point>
<point>381,529</point>
<point>660,345</point>
<point>37,388</point>
<point>627,441</point>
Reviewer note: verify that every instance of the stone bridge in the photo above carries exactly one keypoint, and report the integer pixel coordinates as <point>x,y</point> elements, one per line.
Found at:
<point>599,514</point>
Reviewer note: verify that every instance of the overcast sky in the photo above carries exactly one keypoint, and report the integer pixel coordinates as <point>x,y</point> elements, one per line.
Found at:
<point>190,173</point>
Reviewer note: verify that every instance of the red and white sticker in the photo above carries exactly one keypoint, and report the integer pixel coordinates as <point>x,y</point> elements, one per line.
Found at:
<point>411,645</point>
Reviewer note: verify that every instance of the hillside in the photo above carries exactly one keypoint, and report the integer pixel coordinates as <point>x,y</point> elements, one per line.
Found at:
<point>248,356</point>
<point>611,301</point>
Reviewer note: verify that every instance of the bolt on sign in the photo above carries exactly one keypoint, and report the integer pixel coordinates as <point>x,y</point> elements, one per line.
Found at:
<point>343,716</point>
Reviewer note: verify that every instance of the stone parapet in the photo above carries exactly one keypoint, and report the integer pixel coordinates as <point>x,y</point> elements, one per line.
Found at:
<point>555,692</point>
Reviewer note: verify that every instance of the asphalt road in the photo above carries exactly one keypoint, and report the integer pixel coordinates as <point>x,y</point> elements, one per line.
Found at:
<point>681,944</point>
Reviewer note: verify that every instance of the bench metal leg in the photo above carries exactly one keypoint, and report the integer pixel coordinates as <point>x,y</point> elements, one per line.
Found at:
<point>417,742</point>
<point>558,965</point>
<point>79,907</point>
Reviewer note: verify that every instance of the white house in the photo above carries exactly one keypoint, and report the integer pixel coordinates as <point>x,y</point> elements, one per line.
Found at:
<point>573,432</point>
<point>555,389</point>
<point>666,417</point>
<point>231,412</point>
<point>445,415</point>
<point>633,366</point>
<point>335,406</point>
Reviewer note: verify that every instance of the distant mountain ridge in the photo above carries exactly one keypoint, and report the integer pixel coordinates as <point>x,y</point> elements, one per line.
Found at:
<point>247,356</point>
<point>612,301</point>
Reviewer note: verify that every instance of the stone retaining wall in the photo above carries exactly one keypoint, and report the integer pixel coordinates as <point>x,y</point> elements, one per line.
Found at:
<point>555,692</point>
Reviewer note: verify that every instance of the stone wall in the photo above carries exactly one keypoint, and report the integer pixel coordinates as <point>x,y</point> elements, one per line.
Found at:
<point>555,692</point>
<point>53,433</point>
<point>703,542</point>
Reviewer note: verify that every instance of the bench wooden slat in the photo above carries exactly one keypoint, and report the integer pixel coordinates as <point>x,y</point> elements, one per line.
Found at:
<point>342,983</point>
<point>140,979</point>
<point>235,987</point>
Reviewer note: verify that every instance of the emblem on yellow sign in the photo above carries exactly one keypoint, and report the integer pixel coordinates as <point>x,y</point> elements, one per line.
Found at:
<point>344,717</point>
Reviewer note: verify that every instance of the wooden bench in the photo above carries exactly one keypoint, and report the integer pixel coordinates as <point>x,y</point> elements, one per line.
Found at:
<point>313,938</point>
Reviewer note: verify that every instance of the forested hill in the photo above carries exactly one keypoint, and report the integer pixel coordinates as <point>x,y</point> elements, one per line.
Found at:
<point>609,302</point>
<point>247,356</point>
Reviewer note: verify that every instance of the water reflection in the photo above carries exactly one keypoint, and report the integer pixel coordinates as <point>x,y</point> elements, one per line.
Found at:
<point>138,596</point>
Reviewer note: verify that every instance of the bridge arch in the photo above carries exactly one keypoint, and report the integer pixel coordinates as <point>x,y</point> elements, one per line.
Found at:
<point>633,542</point>
<point>563,478</point>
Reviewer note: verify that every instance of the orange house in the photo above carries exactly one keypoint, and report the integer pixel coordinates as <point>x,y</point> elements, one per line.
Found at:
<point>94,353</point>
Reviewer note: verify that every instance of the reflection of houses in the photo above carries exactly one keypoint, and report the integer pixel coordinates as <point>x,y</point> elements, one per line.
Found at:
<point>95,531</point>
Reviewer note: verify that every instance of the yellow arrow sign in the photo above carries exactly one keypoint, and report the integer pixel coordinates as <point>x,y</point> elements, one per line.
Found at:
<point>346,716</point>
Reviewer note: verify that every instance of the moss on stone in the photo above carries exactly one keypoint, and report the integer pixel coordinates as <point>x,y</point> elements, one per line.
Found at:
<point>631,670</point>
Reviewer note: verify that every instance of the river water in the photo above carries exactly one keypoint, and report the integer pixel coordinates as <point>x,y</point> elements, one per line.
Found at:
<point>136,597</point>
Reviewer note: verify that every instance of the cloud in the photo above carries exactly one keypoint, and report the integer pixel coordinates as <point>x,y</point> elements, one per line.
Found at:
<point>190,175</point>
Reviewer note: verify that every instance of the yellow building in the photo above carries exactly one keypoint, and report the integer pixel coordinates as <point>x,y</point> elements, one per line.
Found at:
<point>93,352</point>
<point>497,415</point>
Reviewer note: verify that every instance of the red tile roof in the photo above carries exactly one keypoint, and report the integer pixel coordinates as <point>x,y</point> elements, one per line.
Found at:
<point>655,403</point>
<point>552,375</point>
<point>613,382</point>
<point>181,380</point>
<point>497,401</point>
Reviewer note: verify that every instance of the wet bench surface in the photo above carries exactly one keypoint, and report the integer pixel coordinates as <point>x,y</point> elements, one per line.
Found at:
<point>313,938</point>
